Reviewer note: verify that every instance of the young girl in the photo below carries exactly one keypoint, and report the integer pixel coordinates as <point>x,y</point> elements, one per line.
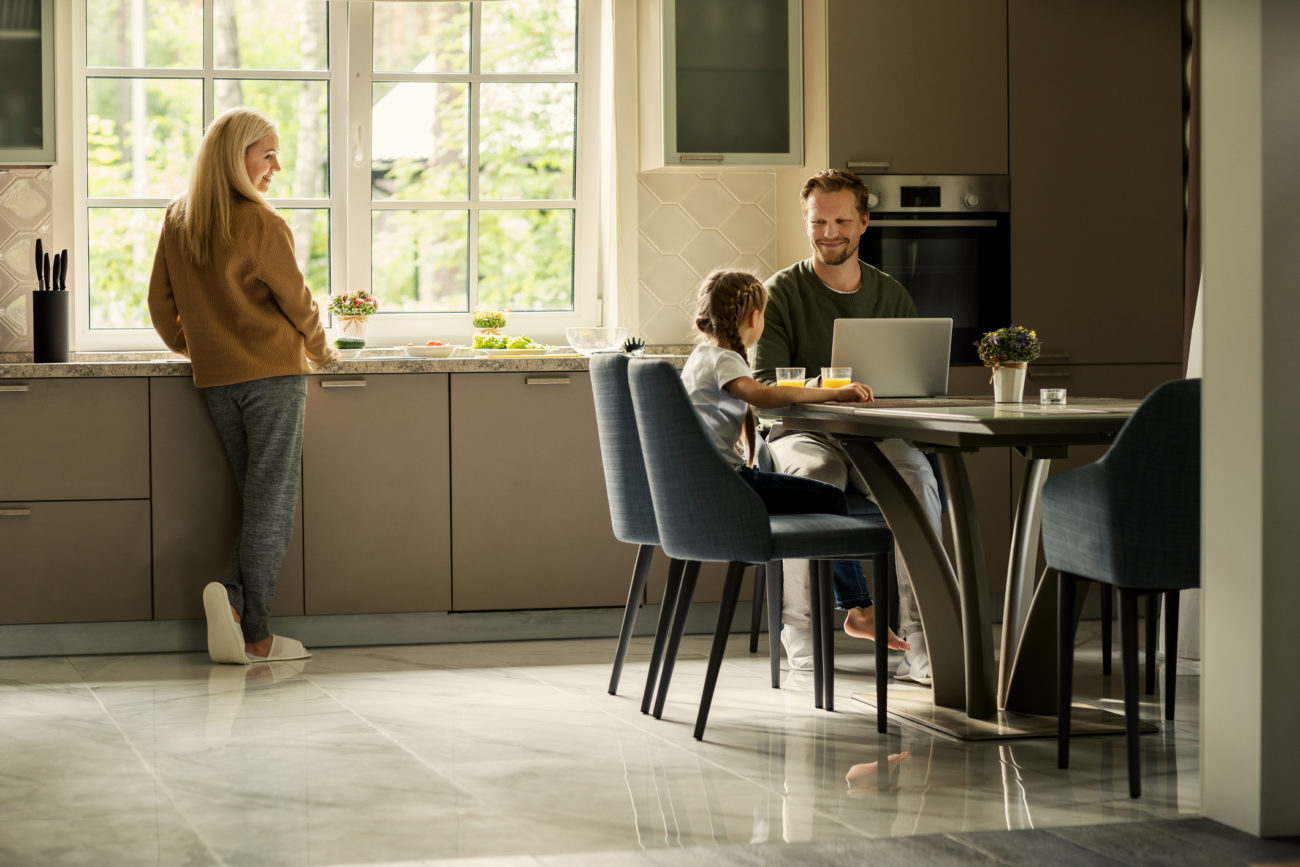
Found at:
<point>729,317</point>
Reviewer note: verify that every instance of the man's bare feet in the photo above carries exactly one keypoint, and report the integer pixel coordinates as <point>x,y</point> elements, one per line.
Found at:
<point>258,648</point>
<point>861,623</point>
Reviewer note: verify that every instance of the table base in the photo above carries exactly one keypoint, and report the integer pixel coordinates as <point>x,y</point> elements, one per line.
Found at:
<point>916,704</point>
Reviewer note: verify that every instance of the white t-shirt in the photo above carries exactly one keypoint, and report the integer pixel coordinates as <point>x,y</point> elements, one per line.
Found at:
<point>706,372</point>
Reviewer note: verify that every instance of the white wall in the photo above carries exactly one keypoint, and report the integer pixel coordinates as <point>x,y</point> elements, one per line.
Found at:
<point>1251,680</point>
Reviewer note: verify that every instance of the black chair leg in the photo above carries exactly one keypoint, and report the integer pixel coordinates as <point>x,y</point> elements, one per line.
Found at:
<point>880,579</point>
<point>815,600</point>
<point>683,604</point>
<point>756,612</point>
<point>662,630</point>
<point>1128,651</point>
<point>634,594</point>
<point>727,612</point>
<point>775,597</point>
<point>1171,650</point>
<point>1107,617</point>
<point>1153,617</point>
<point>826,577</point>
<point>1065,625</point>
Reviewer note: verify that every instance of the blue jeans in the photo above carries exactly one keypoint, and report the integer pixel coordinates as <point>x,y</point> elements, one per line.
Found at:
<point>784,494</point>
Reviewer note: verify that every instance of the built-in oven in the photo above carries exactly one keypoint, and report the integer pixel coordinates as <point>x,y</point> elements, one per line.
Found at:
<point>947,239</point>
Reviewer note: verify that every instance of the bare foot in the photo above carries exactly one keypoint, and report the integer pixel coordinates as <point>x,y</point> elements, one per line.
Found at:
<point>260,648</point>
<point>863,779</point>
<point>861,623</point>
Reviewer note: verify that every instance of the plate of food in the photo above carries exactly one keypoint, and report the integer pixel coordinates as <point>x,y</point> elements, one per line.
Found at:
<point>432,349</point>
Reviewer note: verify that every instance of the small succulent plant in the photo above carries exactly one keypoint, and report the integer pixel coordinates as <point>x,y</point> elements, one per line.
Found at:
<point>634,346</point>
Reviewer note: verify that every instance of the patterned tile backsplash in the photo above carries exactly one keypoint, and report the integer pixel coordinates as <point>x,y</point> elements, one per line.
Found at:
<point>689,225</point>
<point>26,213</point>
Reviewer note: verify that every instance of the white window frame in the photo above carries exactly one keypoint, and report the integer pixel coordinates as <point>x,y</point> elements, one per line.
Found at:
<point>349,202</point>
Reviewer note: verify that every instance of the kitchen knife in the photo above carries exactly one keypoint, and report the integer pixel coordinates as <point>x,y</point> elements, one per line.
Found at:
<point>39,255</point>
<point>47,271</point>
<point>63,271</point>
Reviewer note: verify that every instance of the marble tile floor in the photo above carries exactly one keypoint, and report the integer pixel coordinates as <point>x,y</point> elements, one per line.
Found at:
<point>514,753</point>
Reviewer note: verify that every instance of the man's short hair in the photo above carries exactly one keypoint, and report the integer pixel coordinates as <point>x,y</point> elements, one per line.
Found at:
<point>832,181</point>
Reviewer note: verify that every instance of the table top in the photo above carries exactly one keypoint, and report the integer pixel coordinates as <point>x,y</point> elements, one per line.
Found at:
<point>968,422</point>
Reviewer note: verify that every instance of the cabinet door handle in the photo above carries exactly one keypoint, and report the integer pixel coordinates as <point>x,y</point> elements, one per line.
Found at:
<point>546,380</point>
<point>20,386</point>
<point>866,164</point>
<point>701,158</point>
<point>1054,356</point>
<point>14,513</point>
<point>342,383</point>
<point>1037,375</point>
<point>936,224</point>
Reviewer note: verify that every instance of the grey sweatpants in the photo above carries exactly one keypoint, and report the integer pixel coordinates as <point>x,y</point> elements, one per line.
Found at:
<point>260,425</point>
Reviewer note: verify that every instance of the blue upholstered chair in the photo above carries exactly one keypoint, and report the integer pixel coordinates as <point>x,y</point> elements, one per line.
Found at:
<point>1131,520</point>
<point>631,512</point>
<point>706,512</point>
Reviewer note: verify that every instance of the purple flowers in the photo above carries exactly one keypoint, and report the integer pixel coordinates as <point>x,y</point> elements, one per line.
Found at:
<point>1013,343</point>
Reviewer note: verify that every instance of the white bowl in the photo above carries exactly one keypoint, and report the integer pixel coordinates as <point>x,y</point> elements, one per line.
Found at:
<point>592,340</point>
<point>430,351</point>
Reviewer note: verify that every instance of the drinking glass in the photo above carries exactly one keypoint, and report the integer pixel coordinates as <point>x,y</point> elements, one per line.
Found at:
<point>836,377</point>
<point>790,376</point>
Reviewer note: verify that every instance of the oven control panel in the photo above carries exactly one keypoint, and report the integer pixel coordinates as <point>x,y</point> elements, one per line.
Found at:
<point>938,193</point>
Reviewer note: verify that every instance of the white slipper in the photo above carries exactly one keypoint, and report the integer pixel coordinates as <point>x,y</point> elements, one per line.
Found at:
<point>281,649</point>
<point>225,638</point>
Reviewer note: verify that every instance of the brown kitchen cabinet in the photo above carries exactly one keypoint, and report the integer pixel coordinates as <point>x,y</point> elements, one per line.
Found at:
<point>196,506</point>
<point>376,495</point>
<point>74,509</point>
<point>530,521</point>
<point>1096,127</point>
<point>917,87</point>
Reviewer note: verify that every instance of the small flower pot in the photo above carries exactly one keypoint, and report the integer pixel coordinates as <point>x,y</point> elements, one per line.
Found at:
<point>351,329</point>
<point>1009,381</point>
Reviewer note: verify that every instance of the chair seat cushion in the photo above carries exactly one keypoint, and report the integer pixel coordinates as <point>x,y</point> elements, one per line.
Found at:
<point>827,536</point>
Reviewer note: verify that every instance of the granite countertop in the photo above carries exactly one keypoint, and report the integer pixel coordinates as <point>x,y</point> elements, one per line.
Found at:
<point>381,360</point>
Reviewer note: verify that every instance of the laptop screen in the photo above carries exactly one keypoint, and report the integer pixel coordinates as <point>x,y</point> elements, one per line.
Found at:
<point>896,357</point>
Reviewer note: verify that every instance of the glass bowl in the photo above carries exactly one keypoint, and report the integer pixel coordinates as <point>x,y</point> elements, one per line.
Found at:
<point>589,341</point>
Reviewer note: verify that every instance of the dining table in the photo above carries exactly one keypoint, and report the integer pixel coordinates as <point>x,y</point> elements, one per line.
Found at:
<point>969,697</point>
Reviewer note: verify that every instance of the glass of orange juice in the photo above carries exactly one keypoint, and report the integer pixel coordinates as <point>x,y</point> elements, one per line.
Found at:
<point>790,376</point>
<point>836,377</point>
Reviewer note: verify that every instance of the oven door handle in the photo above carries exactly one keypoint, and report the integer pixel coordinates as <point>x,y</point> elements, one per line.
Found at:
<point>934,224</point>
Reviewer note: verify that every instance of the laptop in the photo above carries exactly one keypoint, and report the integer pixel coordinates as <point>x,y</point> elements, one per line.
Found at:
<point>896,357</point>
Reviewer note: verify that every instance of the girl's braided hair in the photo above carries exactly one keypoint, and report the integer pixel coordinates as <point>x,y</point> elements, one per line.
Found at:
<point>726,299</point>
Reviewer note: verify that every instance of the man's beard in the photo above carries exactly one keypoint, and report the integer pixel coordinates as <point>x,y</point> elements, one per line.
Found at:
<point>842,255</point>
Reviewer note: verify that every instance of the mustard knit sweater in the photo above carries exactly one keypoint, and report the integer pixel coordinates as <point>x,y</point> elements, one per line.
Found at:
<point>245,315</point>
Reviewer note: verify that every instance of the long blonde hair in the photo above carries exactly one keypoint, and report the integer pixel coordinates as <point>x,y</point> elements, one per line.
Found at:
<point>218,179</point>
<point>726,299</point>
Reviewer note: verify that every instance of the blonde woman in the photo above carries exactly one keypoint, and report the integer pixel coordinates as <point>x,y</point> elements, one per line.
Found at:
<point>226,292</point>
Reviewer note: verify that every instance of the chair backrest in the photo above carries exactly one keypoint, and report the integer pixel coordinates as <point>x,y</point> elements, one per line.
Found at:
<point>1151,494</point>
<point>704,510</point>
<point>630,509</point>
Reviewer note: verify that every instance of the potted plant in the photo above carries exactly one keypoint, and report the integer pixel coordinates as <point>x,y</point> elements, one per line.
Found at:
<point>352,310</point>
<point>1008,351</point>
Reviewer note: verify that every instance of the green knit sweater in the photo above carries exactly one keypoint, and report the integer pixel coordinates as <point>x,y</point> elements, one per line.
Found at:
<point>801,314</point>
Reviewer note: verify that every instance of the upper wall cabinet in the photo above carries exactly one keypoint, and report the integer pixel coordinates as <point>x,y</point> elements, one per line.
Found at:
<point>918,87</point>
<point>732,79</point>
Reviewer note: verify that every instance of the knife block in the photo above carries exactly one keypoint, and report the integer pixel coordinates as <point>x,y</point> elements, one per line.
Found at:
<point>50,327</point>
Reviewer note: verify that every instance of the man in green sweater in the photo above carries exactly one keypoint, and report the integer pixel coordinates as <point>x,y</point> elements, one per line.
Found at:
<point>804,301</point>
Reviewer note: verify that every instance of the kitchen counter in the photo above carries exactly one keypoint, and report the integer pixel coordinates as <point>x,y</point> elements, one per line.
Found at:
<point>383,360</point>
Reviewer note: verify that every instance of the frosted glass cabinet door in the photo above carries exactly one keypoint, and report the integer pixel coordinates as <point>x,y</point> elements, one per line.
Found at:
<point>733,82</point>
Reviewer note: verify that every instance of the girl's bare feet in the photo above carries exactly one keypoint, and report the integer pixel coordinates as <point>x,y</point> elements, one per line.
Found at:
<point>861,623</point>
<point>257,648</point>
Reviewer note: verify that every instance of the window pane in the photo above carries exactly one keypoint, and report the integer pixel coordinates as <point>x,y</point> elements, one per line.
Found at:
<point>420,141</point>
<point>141,135</point>
<point>311,245</point>
<point>421,37</point>
<point>420,261</point>
<point>526,140</point>
<point>530,36</point>
<point>163,34</point>
<point>286,34</point>
<point>300,111</point>
<point>525,259</point>
<point>122,245</point>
